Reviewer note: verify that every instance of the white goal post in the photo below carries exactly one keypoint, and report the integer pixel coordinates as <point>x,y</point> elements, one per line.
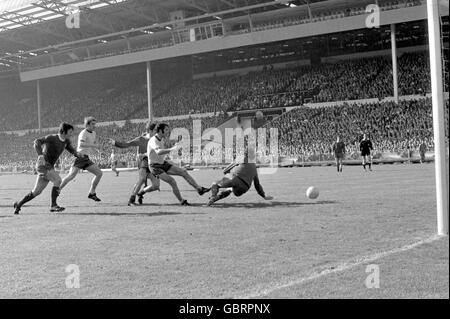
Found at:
<point>437,89</point>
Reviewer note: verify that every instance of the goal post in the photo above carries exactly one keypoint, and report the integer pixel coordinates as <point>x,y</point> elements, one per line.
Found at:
<point>437,90</point>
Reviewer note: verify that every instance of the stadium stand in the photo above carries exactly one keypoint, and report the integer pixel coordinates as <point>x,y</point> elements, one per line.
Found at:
<point>308,133</point>
<point>123,96</point>
<point>15,146</point>
<point>305,133</point>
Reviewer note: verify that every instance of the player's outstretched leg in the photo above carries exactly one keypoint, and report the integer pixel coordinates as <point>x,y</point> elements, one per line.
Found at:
<point>154,187</point>
<point>98,175</point>
<point>219,196</point>
<point>137,187</point>
<point>54,177</point>
<point>72,173</point>
<point>41,184</point>
<point>173,183</point>
<point>225,182</point>
<point>175,170</point>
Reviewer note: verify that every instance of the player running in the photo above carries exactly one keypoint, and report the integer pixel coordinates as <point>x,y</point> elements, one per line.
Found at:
<point>49,149</point>
<point>141,143</point>
<point>338,148</point>
<point>162,168</point>
<point>86,145</point>
<point>365,147</point>
<point>113,161</point>
<point>239,181</point>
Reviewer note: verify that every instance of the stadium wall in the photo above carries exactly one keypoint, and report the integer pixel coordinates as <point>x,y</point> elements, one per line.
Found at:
<point>244,71</point>
<point>371,54</point>
<point>228,42</point>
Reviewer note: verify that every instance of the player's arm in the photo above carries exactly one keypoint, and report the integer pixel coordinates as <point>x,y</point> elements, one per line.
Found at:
<point>38,148</point>
<point>71,150</point>
<point>119,144</point>
<point>259,189</point>
<point>160,151</point>
<point>38,145</point>
<point>228,169</point>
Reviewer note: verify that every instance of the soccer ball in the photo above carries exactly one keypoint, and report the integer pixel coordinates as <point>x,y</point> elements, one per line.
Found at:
<point>312,192</point>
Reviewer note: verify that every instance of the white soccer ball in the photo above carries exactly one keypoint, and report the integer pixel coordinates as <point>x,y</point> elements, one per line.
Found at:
<point>312,192</point>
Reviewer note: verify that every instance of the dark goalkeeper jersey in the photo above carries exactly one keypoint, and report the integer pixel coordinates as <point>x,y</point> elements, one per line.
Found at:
<point>52,147</point>
<point>248,173</point>
<point>365,146</point>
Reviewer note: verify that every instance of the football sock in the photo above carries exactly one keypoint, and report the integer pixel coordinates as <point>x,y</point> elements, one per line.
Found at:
<point>224,194</point>
<point>55,194</point>
<point>26,199</point>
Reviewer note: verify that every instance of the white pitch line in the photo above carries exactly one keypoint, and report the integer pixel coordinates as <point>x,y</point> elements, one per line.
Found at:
<point>340,267</point>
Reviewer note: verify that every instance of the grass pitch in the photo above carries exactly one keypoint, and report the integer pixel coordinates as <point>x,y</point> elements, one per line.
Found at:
<point>291,247</point>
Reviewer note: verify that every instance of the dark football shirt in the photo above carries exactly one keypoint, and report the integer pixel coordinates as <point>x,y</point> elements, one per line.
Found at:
<point>52,147</point>
<point>365,146</point>
<point>248,173</point>
<point>339,147</point>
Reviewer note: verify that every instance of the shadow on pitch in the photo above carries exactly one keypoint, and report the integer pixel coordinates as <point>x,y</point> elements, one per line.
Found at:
<point>124,214</point>
<point>272,204</point>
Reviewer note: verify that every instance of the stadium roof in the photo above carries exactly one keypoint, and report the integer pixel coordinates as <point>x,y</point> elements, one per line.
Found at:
<point>27,25</point>
<point>30,27</point>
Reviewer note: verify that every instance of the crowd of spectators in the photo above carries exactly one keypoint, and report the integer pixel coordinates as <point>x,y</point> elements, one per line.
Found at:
<point>18,151</point>
<point>346,80</point>
<point>121,95</point>
<point>308,133</point>
<point>317,16</point>
<point>305,133</point>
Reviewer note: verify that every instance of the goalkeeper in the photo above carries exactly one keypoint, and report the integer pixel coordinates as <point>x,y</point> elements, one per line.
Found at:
<point>240,179</point>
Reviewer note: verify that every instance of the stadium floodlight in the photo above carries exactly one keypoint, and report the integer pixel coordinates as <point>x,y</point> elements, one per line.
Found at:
<point>437,92</point>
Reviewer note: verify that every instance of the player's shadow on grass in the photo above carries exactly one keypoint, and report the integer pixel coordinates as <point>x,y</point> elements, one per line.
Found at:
<point>172,204</point>
<point>272,204</point>
<point>124,214</point>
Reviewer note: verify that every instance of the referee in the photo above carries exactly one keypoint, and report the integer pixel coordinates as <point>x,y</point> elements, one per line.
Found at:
<point>365,146</point>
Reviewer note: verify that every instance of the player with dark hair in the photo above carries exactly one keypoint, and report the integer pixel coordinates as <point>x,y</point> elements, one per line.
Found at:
<point>365,146</point>
<point>49,149</point>
<point>338,148</point>
<point>162,169</point>
<point>242,175</point>
<point>86,144</point>
<point>142,160</point>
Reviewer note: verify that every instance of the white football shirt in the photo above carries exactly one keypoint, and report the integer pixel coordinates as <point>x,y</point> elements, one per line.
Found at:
<point>155,144</point>
<point>87,137</point>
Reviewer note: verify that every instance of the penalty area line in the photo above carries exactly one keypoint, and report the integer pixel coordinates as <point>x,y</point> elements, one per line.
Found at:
<point>343,266</point>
